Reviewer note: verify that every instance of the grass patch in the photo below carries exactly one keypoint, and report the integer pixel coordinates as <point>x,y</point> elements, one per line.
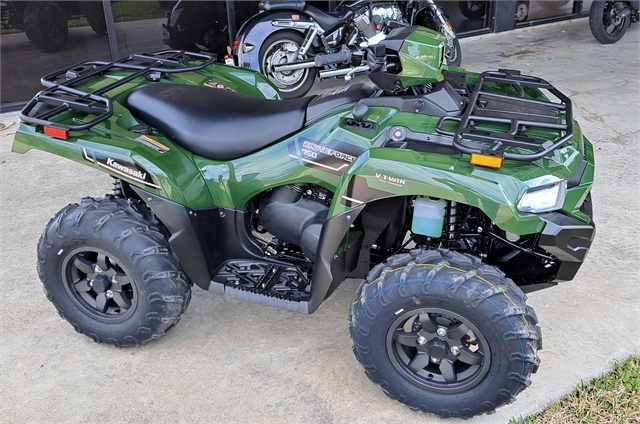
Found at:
<point>612,398</point>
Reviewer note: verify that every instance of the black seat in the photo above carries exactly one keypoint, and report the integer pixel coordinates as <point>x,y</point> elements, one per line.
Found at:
<point>329,21</point>
<point>217,124</point>
<point>268,5</point>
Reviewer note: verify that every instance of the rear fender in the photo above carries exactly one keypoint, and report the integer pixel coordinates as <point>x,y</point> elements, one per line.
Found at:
<point>256,30</point>
<point>152,163</point>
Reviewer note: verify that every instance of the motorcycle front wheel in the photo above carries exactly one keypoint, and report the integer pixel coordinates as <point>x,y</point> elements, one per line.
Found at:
<point>278,49</point>
<point>608,21</point>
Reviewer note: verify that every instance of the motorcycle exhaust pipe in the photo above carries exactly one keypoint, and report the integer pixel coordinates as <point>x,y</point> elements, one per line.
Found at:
<point>334,73</point>
<point>294,66</point>
<point>319,60</point>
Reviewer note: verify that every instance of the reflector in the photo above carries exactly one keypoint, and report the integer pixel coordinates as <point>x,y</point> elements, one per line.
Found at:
<point>62,133</point>
<point>486,160</point>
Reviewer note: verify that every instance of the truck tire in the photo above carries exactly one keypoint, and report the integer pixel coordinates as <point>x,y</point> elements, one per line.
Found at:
<point>46,26</point>
<point>444,333</point>
<point>111,273</point>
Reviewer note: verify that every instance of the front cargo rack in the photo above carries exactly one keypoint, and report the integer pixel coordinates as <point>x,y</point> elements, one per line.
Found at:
<point>508,117</point>
<point>61,96</point>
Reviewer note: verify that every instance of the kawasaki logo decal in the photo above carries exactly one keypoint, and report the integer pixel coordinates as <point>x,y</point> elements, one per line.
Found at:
<point>122,167</point>
<point>333,157</point>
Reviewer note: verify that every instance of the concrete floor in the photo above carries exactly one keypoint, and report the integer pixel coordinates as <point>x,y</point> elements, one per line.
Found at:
<point>234,362</point>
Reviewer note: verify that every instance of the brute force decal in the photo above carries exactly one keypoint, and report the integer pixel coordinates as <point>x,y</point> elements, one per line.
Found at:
<point>333,157</point>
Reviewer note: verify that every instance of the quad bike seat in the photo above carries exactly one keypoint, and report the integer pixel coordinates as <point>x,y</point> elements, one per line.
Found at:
<point>216,124</point>
<point>225,125</point>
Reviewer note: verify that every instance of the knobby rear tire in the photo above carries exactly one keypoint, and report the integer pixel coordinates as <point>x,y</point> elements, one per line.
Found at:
<point>110,272</point>
<point>474,372</point>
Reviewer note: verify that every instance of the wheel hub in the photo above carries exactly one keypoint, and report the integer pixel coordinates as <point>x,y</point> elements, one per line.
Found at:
<point>437,348</point>
<point>281,57</point>
<point>100,284</point>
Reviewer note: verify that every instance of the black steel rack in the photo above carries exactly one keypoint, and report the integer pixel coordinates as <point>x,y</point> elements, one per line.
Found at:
<point>61,96</point>
<point>516,114</point>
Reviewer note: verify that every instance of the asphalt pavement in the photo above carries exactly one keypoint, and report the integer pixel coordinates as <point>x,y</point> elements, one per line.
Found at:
<point>234,362</point>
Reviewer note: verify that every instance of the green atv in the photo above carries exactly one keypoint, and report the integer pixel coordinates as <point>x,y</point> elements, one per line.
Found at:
<point>449,193</point>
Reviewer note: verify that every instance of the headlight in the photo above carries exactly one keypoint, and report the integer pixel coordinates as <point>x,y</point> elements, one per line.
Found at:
<point>543,199</point>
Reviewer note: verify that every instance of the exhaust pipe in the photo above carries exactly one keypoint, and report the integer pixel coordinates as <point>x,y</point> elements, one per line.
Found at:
<point>294,66</point>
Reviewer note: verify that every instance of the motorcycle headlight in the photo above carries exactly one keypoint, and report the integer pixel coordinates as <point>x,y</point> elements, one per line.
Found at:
<point>543,199</point>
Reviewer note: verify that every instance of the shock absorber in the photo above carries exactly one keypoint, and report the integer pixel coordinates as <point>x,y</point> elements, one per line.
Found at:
<point>117,189</point>
<point>452,225</point>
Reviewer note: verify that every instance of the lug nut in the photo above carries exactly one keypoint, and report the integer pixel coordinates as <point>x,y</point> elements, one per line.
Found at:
<point>422,340</point>
<point>109,294</point>
<point>96,268</point>
<point>455,350</point>
<point>441,331</point>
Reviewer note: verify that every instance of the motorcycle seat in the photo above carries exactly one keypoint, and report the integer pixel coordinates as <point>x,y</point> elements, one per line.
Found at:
<point>329,21</point>
<point>216,124</point>
<point>268,5</point>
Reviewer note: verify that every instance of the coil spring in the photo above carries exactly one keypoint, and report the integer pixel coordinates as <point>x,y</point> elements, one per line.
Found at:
<point>452,225</point>
<point>117,189</point>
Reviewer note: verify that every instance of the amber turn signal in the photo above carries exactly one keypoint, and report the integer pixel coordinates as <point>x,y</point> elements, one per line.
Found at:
<point>486,160</point>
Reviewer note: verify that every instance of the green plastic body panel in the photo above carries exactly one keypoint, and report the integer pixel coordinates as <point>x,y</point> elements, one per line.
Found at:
<point>199,183</point>
<point>421,57</point>
<point>174,171</point>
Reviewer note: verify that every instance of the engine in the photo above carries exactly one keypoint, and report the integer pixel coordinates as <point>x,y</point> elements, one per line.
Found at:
<point>295,214</point>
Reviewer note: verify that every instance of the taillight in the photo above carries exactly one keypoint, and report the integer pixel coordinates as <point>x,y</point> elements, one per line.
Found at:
<point>234,47</point>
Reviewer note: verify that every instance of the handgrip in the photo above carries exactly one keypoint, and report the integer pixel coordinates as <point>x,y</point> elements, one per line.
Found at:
<point>329,59</point>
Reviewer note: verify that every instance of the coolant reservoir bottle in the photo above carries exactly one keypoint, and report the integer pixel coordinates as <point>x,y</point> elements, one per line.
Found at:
<point>428,216</point>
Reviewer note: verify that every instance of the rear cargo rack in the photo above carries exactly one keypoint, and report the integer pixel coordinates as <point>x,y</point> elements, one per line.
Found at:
<point>511,117</point>
<point>61,96</point>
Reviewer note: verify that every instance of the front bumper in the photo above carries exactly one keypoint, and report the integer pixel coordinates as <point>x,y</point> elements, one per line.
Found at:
<point>567,239</point>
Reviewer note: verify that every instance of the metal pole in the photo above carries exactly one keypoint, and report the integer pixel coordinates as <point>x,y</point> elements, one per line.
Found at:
<point>231,20</point>
<point>111,30</point>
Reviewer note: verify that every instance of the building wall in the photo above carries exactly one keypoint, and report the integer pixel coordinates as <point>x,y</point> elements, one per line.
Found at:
<point>137,26</point>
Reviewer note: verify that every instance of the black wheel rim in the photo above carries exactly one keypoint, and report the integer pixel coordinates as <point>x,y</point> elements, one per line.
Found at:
<point>614,19</point>
<point>98,283</point>
<point>438,350</point>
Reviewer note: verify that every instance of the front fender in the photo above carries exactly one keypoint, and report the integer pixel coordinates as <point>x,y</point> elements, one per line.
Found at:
<point>255,31</point>
<point>383,173</point>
